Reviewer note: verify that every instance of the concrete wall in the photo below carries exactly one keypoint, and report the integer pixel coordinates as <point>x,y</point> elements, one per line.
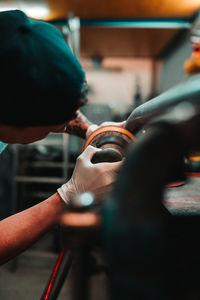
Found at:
<point>172,72</point>
<point>114,83</point>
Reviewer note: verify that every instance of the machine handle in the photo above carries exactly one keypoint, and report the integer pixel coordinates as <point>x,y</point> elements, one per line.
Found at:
<point>187,91</point>
<point>106,155</point>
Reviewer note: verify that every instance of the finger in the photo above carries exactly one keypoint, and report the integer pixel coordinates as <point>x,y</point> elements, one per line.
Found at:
<point>110,123</point>
<point>91,129</point>
<point>89,152</point>
<point>122,124</point>
<point>112,166</point>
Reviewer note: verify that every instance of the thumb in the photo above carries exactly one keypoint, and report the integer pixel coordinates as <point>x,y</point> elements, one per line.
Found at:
<point>89,152</point>
<point>91,129</point>
<point>112,166</point>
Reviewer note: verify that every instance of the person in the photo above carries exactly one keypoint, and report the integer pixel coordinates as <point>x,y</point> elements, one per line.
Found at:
<point>42,86</point>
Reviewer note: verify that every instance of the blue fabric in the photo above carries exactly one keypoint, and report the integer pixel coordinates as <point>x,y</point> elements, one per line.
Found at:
<point>2,146</point>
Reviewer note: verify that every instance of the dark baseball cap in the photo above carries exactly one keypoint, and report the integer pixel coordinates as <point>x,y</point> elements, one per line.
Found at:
<point>41,80</point>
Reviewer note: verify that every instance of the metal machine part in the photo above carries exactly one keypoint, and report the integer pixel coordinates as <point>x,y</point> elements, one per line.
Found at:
<point>113,140</point>
<point>80,233</point>
<point>187,91</point>
<point>81,230</point>
<point>152,254</point>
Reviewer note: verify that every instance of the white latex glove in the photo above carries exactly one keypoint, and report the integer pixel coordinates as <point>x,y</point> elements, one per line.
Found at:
<point>88,177</point>
<point>94,127</point>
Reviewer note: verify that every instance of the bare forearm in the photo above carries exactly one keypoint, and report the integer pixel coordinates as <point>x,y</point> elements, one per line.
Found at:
<point>20,231</point>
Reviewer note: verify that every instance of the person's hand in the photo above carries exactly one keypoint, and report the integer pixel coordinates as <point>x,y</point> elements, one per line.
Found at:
<point>94,127</point>
<point>88,177</point>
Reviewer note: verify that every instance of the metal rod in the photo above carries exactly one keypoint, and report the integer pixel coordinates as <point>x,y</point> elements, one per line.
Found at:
<point>187,91</point>
<point>174,23</point>
<point>58,276</point>
<point>81,283</point>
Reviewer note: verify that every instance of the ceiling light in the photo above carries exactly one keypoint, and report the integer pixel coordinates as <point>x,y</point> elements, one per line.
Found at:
<point>34,9</point>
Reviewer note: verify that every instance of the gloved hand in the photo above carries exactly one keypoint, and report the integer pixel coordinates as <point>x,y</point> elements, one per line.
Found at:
<point>94,127</point>
<point>88,177</point>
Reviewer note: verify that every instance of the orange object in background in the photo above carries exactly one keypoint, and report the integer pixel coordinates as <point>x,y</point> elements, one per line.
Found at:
<point>192,165</point>
<point>192,65</point>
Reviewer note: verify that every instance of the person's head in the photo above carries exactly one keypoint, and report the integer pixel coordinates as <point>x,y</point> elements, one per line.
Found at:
<point>42,83</point>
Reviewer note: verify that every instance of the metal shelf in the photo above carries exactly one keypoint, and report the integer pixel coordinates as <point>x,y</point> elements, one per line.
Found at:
<point>47,164</point>
<point>31,179</point>
<point>62,141</point>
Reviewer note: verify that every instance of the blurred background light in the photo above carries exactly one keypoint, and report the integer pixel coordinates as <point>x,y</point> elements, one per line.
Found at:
<point>34,9</point>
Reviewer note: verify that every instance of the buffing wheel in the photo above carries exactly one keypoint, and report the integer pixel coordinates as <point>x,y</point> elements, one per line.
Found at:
<point>113,140</point>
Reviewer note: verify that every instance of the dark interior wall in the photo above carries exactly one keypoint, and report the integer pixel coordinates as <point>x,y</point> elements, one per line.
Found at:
<point>172,71</point>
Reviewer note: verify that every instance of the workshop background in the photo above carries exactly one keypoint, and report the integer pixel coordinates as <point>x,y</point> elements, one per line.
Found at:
<point>131,51</point>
